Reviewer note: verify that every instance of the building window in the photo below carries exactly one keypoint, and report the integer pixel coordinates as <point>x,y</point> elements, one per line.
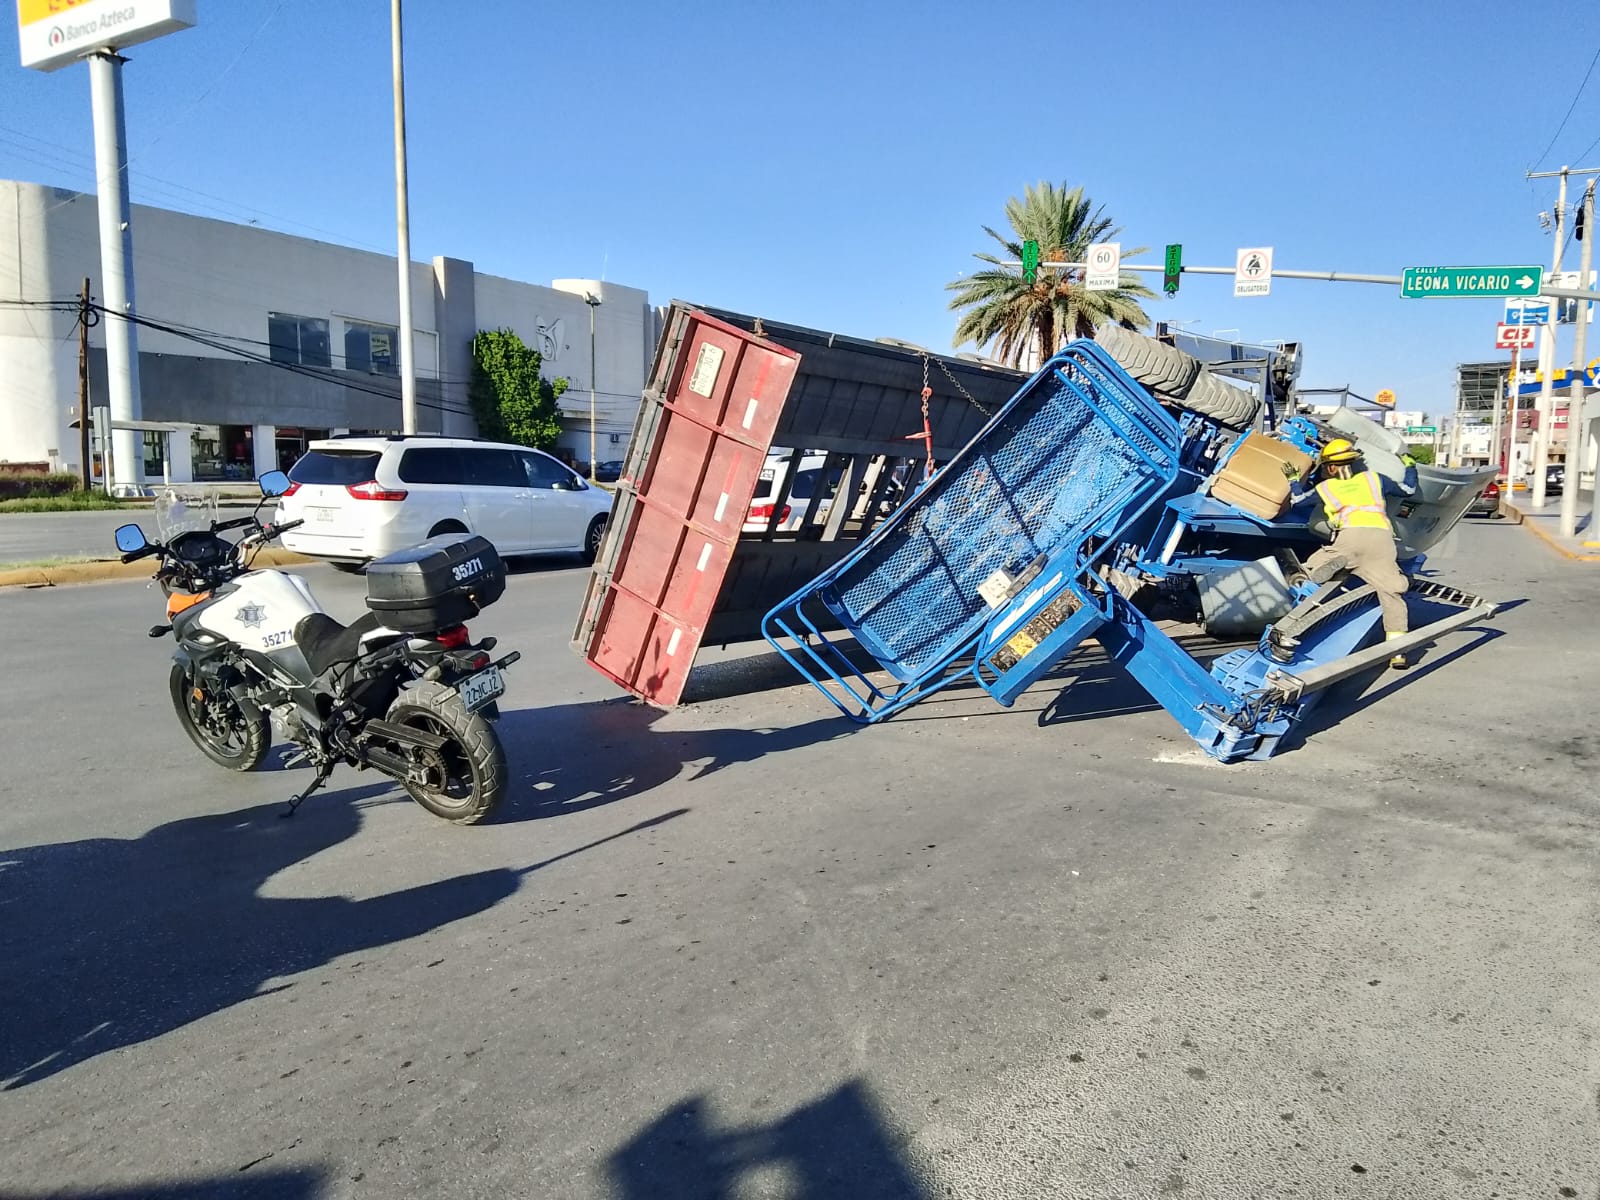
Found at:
<point>374,348</point>
<point>299,341</point>
<point>155,452</point>
<point>224,452</point>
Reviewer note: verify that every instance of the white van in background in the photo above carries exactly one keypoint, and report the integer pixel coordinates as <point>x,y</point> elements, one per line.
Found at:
<point>811,474</point>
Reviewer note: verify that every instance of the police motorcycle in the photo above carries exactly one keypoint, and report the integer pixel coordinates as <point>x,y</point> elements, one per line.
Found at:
<point>405,690</point>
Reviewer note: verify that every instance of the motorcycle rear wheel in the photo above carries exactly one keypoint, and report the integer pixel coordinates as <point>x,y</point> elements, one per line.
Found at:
<point>231,734</point>
<point>467,775</point>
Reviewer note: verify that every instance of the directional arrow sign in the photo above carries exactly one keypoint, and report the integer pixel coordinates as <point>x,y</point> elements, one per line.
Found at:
<point>1421,283</point>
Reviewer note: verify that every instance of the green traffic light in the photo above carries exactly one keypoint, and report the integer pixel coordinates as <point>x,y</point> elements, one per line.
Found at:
<point>1030,261</point>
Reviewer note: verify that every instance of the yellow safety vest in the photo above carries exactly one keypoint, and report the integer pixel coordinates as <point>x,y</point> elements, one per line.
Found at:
<point>1355,503</point>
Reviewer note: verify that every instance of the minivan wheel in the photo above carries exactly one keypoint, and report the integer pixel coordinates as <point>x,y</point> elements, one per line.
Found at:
<point>592,540</point>
<point>447,527</point>
<point>350,568</point>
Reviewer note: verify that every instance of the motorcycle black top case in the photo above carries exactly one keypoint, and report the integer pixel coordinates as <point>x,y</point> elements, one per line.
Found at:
<point>435,584</point>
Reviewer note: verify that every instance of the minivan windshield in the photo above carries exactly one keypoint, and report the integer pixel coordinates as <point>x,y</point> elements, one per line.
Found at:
<point>338,467</point>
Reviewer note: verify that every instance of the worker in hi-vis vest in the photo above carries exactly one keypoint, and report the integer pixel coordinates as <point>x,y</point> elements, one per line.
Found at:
<point>1363,538</point>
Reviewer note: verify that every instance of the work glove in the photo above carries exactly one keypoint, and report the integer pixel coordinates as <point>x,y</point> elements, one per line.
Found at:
<point>1407,460</point>
<point>1289,471</point>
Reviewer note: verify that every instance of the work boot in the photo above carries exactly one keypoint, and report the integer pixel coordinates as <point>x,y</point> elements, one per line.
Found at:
<point>1398,661</point>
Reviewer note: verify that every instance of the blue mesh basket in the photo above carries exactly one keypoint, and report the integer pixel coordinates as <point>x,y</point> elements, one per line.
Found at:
<point>1079,450</point>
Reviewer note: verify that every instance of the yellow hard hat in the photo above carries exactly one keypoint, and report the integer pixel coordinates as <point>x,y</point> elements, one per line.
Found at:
<point>1339,450</point>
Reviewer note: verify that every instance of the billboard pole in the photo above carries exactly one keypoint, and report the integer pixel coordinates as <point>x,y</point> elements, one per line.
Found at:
<point>116,249</point>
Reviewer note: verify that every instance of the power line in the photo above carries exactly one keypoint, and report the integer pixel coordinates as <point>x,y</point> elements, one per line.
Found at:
<point>167,125</point>
<point>1570,107</point>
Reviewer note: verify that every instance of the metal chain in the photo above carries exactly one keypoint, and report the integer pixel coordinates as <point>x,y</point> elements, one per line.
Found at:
<point>965,395</point>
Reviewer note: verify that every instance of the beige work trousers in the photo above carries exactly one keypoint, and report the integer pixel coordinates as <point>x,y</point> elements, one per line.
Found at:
<point>1369,555</point>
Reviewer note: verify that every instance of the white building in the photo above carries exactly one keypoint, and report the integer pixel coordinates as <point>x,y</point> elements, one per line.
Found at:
<point>324,316</point>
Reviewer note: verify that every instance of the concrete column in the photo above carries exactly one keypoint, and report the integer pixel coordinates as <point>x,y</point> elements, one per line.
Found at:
<point>455,315</point>
<point>266,448</point>
<point>180,456</point>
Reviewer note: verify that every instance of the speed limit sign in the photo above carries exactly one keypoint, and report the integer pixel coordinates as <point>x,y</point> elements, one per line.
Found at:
<point>1104,264</point>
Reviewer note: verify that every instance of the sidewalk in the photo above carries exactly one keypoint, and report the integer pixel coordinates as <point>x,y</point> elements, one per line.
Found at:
<point>1545,524</point>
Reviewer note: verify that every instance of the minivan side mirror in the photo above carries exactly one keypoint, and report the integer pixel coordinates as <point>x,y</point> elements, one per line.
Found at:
<point>274,483</point>
<point>130,538</point>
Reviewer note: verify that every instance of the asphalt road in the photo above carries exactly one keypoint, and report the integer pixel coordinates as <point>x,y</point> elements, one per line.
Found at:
<point>36,537</point>
<point>744,949</point>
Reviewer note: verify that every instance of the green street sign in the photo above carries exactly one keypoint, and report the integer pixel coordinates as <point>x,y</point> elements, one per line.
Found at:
<point>1429,429</point>
<point>1423,283</point>
<point>1174,268</point>
<point>1030,261</point>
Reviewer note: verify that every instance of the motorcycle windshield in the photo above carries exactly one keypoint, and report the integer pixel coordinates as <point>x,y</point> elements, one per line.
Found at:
<point>182,512</point>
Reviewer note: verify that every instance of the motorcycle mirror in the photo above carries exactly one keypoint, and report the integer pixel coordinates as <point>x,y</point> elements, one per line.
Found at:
<point>130,538</point>
<point>274,483</point>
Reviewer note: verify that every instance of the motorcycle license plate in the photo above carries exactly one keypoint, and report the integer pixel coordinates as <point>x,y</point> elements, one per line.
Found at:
<point>477,690</point>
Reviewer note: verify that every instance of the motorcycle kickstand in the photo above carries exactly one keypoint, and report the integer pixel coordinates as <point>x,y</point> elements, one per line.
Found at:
<point>297,800</point>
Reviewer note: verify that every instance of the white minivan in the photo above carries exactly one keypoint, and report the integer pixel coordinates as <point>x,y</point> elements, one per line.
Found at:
<point>364,497</point>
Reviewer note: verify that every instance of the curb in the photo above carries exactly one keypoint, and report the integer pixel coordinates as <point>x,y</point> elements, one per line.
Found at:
<point>94,572</point>
<point>1547,539</point>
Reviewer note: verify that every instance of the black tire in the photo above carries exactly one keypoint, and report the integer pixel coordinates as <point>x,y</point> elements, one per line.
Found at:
<point>232,735</point>
<point>592,538</point>
<point>1229,406</point>
<point>447,527</point>
<point>1178,379</point>
<point>1161,368</point>
<point>468,774</point>
<point>349,568</point>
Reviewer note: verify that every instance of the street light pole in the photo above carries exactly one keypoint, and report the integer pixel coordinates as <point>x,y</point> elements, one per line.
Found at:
<point>408,367</point>
<point>593,302</point>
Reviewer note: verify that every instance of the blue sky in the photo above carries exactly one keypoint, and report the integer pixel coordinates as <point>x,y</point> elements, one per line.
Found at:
<point>832,164</point>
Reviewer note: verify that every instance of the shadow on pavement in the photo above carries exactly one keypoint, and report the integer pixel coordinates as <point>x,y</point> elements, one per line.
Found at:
<point>109,942</point>
<point>571,757</point>
<point>287,1184</point>
<point>1352,695</point>
<point>834,1148</point>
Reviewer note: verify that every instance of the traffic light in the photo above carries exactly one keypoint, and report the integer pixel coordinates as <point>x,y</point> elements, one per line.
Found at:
<point>1577,225</point>
<point>1030,261</point>
<point>1174,268</point>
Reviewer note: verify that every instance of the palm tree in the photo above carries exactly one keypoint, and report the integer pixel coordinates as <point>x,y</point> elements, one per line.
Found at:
<point>1017,316</point>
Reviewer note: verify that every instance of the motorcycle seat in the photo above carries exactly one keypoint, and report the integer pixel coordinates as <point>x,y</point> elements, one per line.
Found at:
<point>326,643</point>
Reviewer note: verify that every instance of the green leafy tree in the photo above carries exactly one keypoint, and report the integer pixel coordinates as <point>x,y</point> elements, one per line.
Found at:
<point>511,400</point>
<point>1009,314</point>
<point>1422,454</point>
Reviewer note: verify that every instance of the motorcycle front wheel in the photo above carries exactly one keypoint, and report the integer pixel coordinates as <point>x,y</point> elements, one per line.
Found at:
<point>464,778</point>
<point>231,734</point>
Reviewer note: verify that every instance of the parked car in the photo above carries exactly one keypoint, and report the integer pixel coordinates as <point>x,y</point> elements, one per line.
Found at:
<point>1555,478</point>
<point>364,497</point>
<point>1487,503</point>
<point>609,472</point>
<point>811,475</point>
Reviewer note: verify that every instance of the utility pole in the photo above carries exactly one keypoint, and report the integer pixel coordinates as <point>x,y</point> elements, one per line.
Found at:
<point>1547,362</point>
<point>1577,422</point>
<point>408,367</point>
<point>83,381</point>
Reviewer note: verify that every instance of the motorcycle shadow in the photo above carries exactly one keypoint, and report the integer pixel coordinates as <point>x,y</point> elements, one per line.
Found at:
<point>572,757</point>
<point>110,942</point>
